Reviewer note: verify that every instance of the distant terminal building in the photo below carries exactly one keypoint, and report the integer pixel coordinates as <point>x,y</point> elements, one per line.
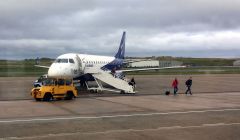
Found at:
<point>236,63</point>
<point>169,63</point>
<point>154,63</point>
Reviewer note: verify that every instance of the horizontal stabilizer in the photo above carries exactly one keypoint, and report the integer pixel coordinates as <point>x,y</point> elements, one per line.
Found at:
<point>47,67</point>
<point>127,61</point>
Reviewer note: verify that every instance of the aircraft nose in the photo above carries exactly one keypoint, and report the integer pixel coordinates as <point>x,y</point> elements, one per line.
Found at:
<point>58,71</point>
<point>53,72</point>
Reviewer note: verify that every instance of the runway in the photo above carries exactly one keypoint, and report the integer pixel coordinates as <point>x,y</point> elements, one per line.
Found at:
<point>147,115</point>
<point>201,116</point>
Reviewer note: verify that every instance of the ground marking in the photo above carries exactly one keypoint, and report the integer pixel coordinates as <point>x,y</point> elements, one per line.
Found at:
<point>111,116</point>
<point>122,131</point>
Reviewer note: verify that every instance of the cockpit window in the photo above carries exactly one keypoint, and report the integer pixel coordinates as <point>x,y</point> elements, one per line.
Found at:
<point>71,61</point>
<point>61,61</point>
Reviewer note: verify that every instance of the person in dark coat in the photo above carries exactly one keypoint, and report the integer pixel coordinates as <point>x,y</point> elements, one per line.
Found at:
<point>113,71</point>
<point>188,84</point>
<point>132,83</point>
<point>175,86</point>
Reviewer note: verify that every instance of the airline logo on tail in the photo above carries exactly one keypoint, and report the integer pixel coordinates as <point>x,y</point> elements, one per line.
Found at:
<point>121,51</point>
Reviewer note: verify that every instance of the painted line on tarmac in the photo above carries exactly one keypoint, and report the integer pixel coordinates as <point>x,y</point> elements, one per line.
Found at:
<point>112,116</point>
<point>123,131</point>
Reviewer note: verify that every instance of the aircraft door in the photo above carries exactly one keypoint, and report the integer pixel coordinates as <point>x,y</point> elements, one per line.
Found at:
<point>79,64</point>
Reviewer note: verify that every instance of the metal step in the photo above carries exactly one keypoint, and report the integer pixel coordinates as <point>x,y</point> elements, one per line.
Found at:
<point>116,82</point>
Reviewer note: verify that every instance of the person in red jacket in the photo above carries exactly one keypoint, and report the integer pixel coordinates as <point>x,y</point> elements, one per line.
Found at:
<point>175,86</point>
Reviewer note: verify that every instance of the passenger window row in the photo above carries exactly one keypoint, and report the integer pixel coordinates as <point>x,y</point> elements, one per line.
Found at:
<point>62,60</point>
<point>96,62</point>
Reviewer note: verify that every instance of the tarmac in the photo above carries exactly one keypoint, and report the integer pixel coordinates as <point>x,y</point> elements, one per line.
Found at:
<point>211,113</point>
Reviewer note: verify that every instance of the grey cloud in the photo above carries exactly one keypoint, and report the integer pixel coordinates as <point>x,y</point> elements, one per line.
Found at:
<point>51,27</point>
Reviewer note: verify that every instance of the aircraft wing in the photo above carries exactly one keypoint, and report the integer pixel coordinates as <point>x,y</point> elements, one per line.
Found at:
<point>126,61</point>
<point>47,67</point>
<point>146,69</point>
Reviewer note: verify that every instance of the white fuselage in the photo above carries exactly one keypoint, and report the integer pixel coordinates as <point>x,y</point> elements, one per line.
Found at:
<point>72,65</point>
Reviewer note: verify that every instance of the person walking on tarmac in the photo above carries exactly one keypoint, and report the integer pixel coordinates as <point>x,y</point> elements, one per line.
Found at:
<point>188,84</point>
<point>175,86</point>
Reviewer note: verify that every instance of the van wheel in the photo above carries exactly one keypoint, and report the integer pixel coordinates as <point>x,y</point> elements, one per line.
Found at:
<point>122,92</point>
<point>38,99</point>
<point>69,96</point>
<point>59,99</point>
<point>47,97</point>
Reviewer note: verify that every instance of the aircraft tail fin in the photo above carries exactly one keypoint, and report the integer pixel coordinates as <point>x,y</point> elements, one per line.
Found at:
<point>121,51</point>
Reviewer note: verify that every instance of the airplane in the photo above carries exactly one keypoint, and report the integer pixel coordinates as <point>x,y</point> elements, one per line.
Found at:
<point>97,68</point>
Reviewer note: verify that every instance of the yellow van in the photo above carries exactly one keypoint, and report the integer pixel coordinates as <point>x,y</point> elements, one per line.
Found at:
<point>54,89</point>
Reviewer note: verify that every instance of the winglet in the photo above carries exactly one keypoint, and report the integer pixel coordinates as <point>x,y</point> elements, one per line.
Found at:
<point>121,51</point>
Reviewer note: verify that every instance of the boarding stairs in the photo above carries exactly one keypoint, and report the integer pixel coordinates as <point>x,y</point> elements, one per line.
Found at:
<point>100,75</point>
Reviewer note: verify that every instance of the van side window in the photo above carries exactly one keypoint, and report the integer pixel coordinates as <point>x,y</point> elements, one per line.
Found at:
<point>68,82</point>
<point>61,82</point>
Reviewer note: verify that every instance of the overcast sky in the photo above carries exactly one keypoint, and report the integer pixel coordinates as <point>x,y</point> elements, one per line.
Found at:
<point>188,28</point>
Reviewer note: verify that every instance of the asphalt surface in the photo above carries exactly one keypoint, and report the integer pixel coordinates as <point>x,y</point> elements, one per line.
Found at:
<point>212,113</point>
<point>18,88</point>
